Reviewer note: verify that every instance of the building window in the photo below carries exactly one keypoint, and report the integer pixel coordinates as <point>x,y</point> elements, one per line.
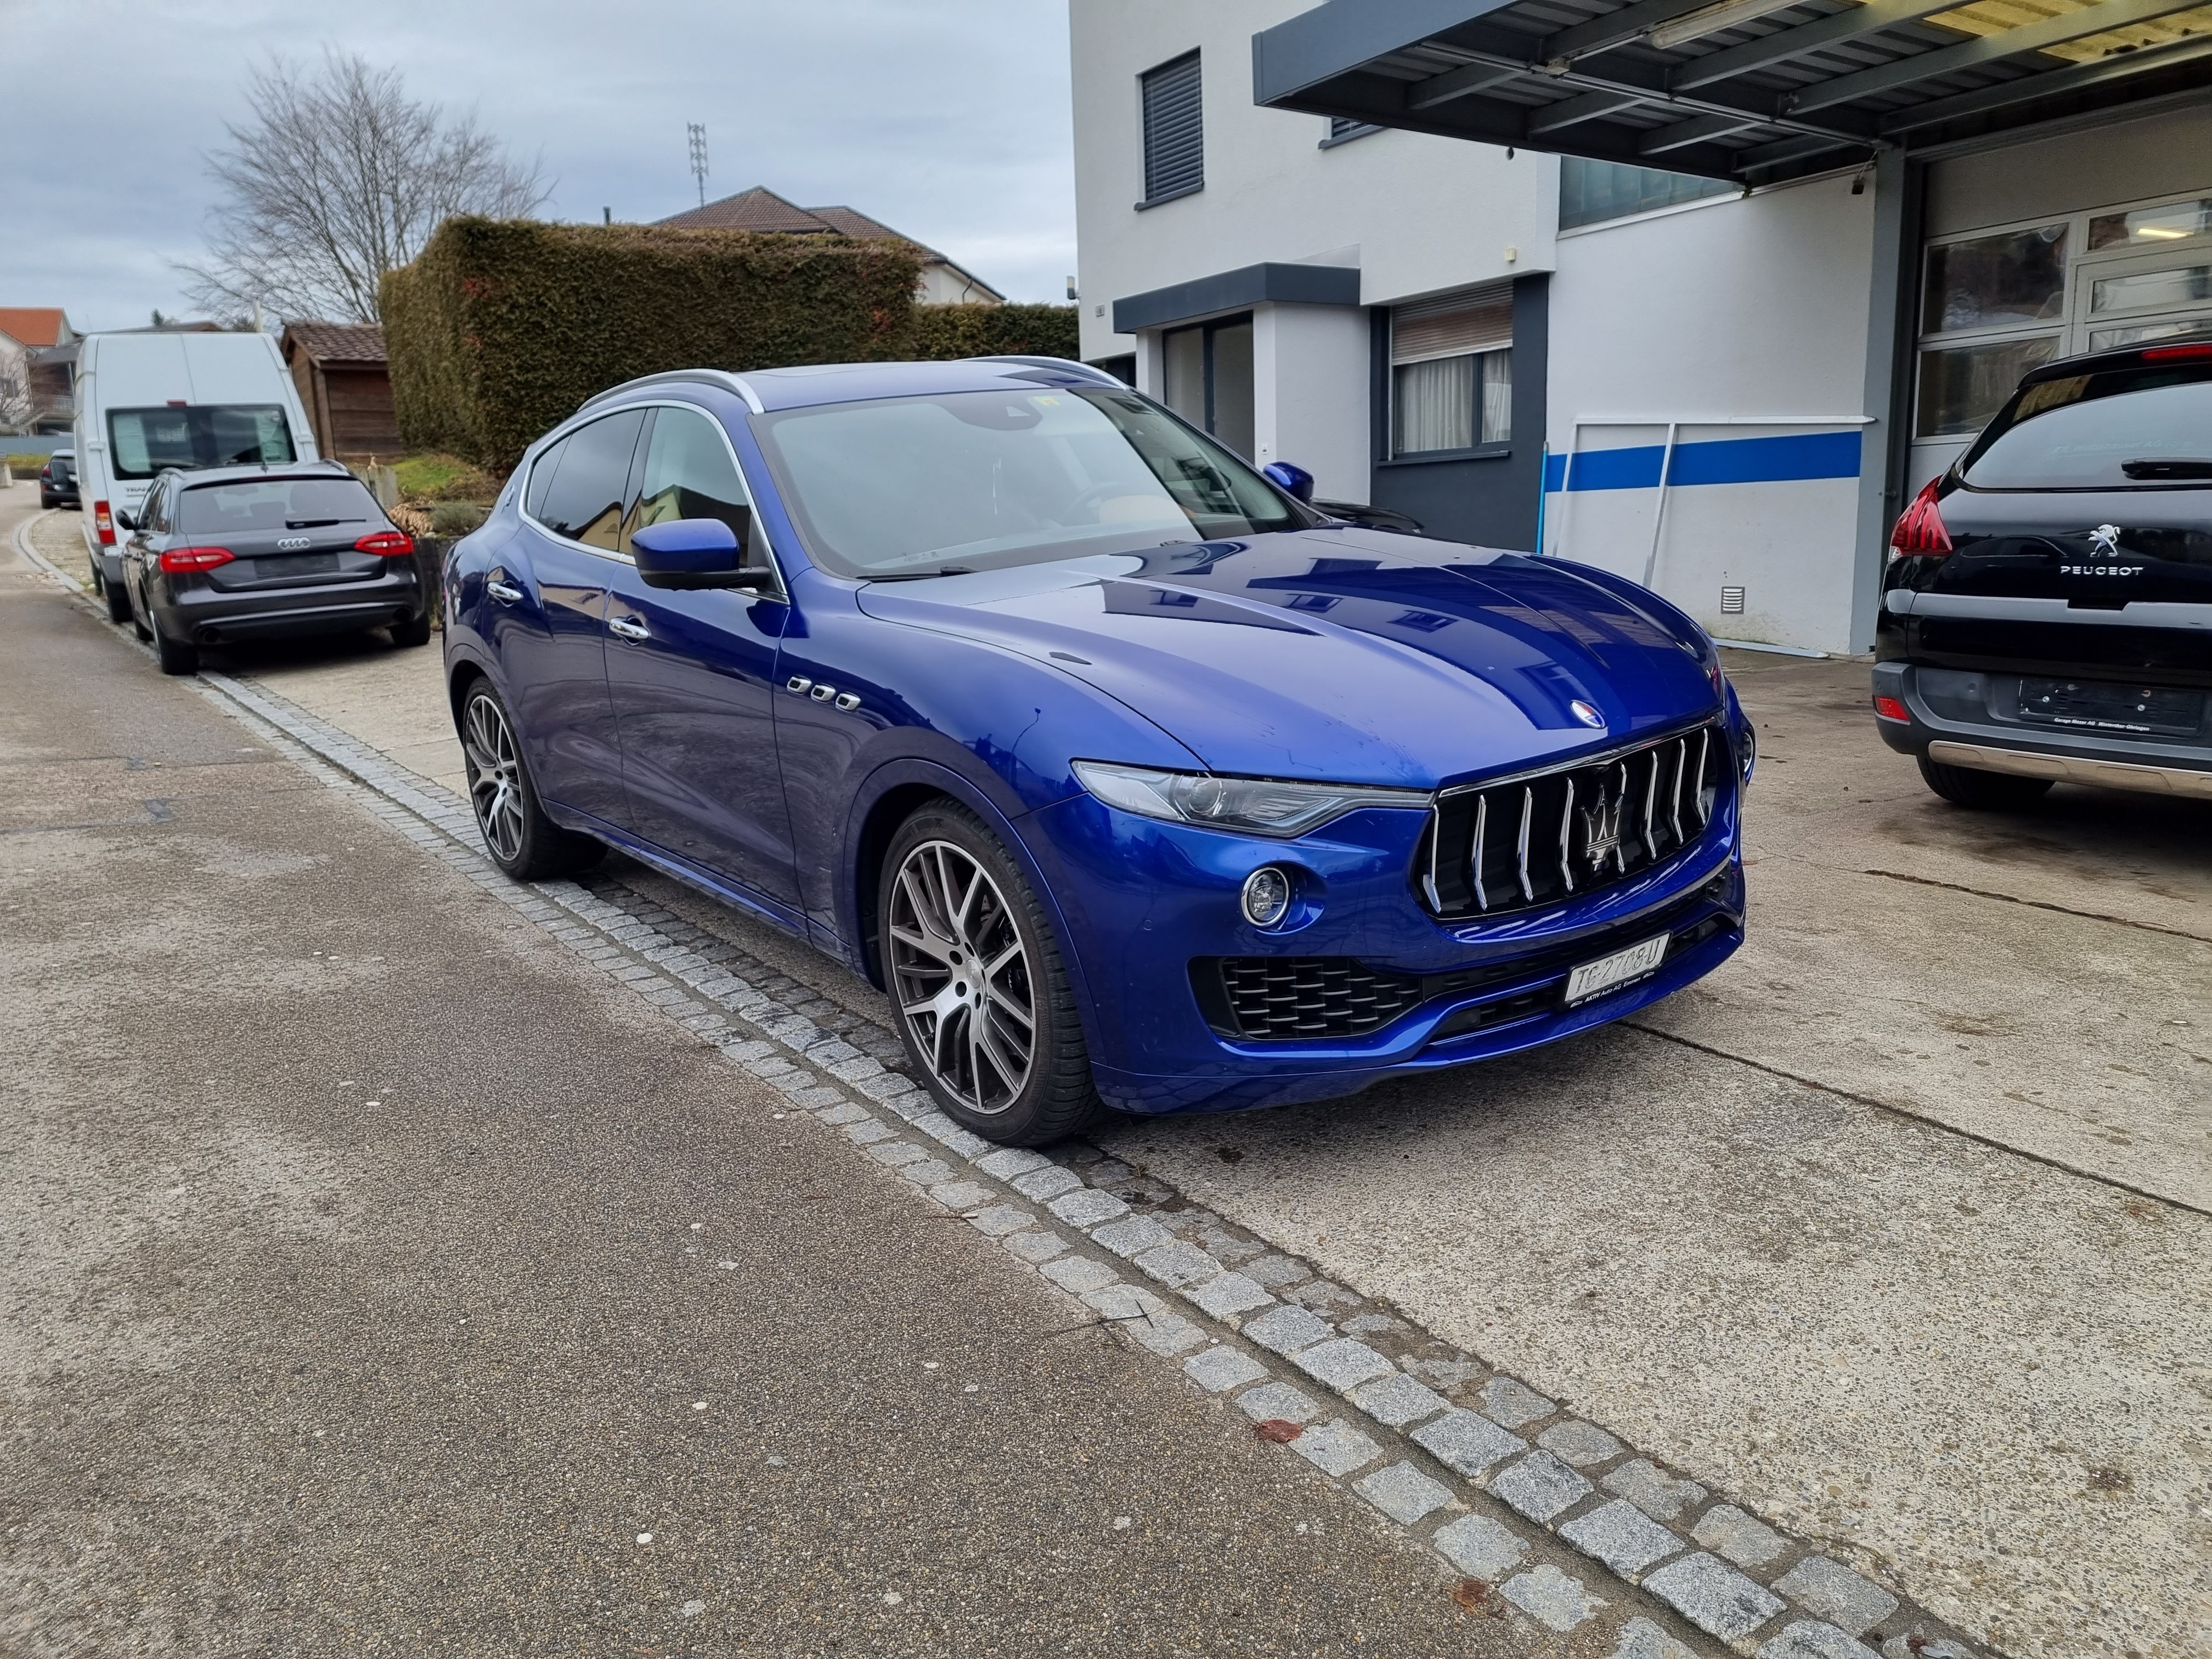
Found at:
<point>1343,129</point>
<point>1991,308</point>
<point>1451,373</point>
<point>1591,192</point>
<point>1175,130</point>
<point>1208,378</point>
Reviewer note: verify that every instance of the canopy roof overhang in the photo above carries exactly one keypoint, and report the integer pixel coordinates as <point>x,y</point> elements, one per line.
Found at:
<point>1756,92</point>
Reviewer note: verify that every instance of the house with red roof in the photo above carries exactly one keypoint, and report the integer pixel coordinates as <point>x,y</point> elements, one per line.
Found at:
<point>38,369</point>
<point>943,282</point>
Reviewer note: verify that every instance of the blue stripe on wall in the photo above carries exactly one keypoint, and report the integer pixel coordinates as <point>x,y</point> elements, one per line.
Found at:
<point>1726,460</point>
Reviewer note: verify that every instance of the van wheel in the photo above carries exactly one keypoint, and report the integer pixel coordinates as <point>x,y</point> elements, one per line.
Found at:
<point>976,983</point>
<point>1963,786</point>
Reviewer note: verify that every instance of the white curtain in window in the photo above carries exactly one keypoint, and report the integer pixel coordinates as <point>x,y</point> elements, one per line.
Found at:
<point>1497,396</point>
<point>1433,403</point>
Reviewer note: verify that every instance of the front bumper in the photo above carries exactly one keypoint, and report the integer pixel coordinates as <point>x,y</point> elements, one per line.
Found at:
<point>1965,718</point>
<point>1151,907</point>
<point>188,609</point>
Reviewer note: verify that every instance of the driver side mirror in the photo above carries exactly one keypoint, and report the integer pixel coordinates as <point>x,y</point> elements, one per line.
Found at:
<point>691,554</point>
<point>1294,481</point>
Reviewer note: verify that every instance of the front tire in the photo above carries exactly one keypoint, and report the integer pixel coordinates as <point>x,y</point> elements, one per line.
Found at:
<point>976,982</point>
<point>1962,785</point>
<point>521,839</point>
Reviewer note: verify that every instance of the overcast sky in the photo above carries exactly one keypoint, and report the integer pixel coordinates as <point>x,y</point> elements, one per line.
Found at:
<point>947,119</point>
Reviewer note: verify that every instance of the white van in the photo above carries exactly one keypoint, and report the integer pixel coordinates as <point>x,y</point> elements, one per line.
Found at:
<point>146,402</point>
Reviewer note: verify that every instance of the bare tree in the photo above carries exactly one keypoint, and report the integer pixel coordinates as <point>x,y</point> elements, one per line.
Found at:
<point>14,395</point>
<point>339,177</point>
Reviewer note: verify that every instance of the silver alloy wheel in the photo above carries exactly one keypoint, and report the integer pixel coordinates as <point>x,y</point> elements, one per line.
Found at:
<point>961,977</point>
<point>495,777</point>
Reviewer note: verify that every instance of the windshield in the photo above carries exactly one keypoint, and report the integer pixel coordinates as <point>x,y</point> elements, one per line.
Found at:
<point>144,442</point>
<point>2109,431</point>
<point>981,480</point>
<point>240,509</point>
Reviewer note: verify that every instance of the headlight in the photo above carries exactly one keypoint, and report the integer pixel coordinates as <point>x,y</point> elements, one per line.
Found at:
<point>1263,806</point>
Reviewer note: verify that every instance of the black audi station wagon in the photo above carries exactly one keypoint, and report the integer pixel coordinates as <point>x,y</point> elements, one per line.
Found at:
<point>224,555</point>
<point>2046,612</point>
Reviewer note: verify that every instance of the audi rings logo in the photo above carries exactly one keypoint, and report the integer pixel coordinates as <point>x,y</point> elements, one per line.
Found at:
<point>291,544</point>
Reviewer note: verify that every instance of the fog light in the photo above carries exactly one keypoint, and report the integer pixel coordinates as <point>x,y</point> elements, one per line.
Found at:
<point>1890,708</point>
<point>1266,895</point>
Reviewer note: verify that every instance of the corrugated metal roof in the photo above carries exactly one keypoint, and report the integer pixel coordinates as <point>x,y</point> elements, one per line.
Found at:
<point>1735,91</point>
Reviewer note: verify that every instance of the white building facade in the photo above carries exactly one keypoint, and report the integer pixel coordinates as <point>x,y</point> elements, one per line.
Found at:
<point>1345,236</point>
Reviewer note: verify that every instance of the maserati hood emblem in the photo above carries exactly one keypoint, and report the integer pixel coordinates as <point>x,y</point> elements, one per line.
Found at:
<point>2106,539</point>
<point>1588,715</point>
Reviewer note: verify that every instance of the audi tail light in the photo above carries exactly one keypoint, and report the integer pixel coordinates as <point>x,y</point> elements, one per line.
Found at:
<point>386,545</point>
<point>1920,529</point>
<point>103,522</point>
<point>179,561</point>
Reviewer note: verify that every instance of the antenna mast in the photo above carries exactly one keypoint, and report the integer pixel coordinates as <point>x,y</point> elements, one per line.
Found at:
<point>698,132</point>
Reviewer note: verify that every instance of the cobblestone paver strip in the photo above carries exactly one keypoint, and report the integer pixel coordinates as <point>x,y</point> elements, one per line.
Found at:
<point>819,1056</point>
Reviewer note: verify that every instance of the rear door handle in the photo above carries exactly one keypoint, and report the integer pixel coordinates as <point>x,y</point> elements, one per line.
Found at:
<point>502,592</point>
<point>629,627</point>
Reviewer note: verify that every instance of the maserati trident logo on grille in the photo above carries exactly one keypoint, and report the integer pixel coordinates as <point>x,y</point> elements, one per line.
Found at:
<point>289,543</point>
<point>1588,715</point>
<point>1601,828</point>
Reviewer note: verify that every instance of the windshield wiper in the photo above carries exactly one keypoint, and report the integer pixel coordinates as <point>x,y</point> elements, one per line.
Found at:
<point>317,524</point>
<point>2152,466</point>
<point>924,575</point>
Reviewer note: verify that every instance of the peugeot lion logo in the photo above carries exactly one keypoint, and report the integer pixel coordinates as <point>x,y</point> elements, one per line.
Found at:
<point>1601,828</point>
<point>1588,715</point>
<point>2105,539</point>
<point>2104,544</point>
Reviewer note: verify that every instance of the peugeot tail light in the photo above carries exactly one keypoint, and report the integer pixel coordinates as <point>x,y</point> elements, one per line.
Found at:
<point>2167,354</point>
<point>103,523</point>
<point>386,544</point>
<point>1920,529</point>
<point>179,561</point>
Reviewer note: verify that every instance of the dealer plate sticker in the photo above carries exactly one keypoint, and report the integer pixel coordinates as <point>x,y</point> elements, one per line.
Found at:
<point>1637,960</point>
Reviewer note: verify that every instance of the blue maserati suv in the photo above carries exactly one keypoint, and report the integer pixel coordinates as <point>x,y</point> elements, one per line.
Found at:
<point>1130,777</point>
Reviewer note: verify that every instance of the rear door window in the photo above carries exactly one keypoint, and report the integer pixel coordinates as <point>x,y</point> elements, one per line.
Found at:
<point>589,490</point>
<point>267,505</point>
<point>143,441</point>
<point>2126,428</point>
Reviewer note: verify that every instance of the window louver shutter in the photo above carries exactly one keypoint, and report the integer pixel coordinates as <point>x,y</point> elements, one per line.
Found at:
<point>1174,131</point>
<point>1479,319</point>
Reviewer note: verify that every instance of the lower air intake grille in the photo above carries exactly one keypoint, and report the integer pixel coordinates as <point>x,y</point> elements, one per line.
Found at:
<point>1313,996</point>
<point>1543,836</point>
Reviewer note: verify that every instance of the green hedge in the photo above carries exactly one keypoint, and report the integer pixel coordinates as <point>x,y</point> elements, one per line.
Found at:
<point>501,328</point>
<point>941,332</point>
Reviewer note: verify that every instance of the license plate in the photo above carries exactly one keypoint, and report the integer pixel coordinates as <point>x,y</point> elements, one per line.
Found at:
<point>2102,706</point>
<point>1637,960</point>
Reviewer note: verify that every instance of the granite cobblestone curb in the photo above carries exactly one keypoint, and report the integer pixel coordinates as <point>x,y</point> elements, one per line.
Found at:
<point>1576,1530</point>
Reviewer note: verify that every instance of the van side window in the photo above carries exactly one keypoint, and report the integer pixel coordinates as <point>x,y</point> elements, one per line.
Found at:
<point>689,475</point>
<point>585,499</point>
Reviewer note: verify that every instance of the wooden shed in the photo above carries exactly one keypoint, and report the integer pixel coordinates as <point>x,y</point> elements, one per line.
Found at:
<point>340,370</point>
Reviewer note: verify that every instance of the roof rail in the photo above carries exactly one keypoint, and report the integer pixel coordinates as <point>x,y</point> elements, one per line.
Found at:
<point>715,377</point>
<point>1065,365</point>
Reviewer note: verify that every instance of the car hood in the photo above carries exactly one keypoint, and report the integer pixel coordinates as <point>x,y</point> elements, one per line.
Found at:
<point>1343,654</point>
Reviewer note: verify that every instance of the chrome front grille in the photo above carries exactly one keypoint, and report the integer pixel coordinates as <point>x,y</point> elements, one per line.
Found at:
<point>1539,837</point>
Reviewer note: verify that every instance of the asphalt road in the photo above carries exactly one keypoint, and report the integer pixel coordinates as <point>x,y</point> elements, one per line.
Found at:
<point>364,1267</point>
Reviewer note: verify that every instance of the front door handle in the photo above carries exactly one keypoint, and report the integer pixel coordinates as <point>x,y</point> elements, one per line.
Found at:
<point>629,627</point>
<point>502,592</point>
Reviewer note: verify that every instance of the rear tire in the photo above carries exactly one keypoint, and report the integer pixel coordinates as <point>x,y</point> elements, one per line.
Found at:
<point>413,631</point>
<point>1962,785</point>
<point>1002,1050</point>
<point>521,839</point>
<point>173,658</point>
<point>119,608</point>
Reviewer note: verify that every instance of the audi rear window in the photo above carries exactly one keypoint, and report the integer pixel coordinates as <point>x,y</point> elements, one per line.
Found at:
<point>273,504</point>
<point>144,441</point>
<point>2126,428</point>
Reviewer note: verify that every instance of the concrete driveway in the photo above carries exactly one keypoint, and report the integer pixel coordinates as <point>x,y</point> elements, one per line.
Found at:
<point>1895,1230</point>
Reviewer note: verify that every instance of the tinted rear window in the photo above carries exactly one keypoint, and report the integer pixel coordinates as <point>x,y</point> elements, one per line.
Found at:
<point>2082,431</point>
<point>271,504</point>
<point>143,441</point>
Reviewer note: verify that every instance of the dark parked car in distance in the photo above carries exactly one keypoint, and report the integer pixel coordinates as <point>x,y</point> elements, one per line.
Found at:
<point>223,555</point>
<point>2046,612</point>
<point>57,480</point>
